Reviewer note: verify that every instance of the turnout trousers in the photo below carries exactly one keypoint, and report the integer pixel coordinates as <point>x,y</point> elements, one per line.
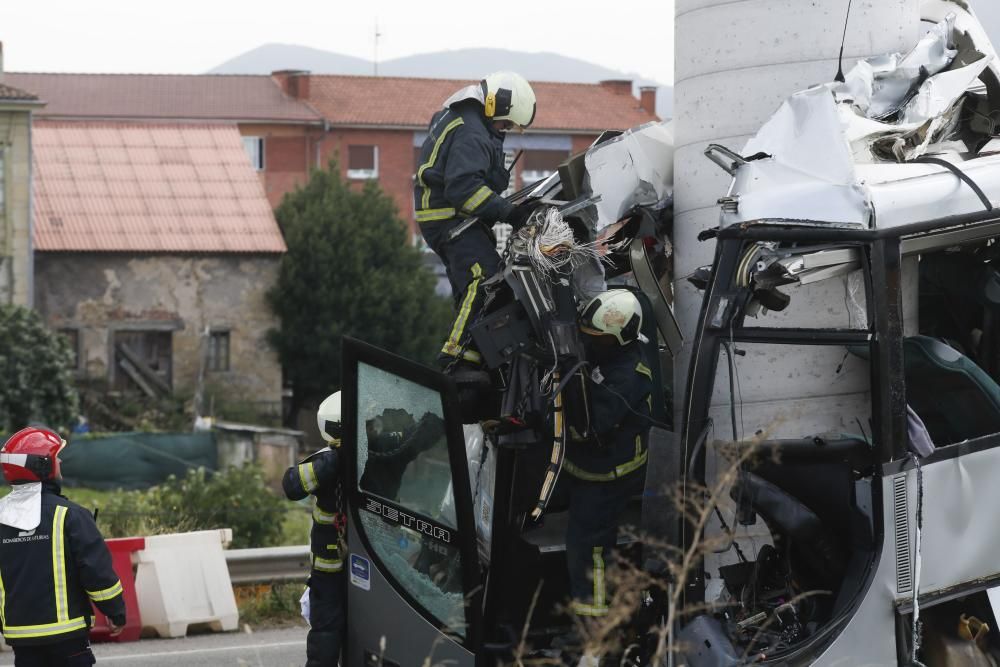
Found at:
<point>469,259</point>
<point>595,511</point>
<point>68,653</point>
<point>327,618</point>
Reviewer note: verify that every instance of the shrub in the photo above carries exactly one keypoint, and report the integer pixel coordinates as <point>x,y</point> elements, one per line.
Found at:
<point>236,498</point>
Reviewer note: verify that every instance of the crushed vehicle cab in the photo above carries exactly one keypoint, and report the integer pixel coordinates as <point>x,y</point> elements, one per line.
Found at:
<point>457,541</point>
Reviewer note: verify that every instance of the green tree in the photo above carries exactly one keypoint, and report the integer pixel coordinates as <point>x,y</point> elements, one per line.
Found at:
<point>36,367</point>
<point>349,271</point>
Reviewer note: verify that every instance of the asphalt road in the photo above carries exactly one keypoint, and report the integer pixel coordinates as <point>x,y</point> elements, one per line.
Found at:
<point>263,648</point>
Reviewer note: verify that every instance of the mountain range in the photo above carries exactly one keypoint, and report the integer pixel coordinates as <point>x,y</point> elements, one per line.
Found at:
<point>458,64</point>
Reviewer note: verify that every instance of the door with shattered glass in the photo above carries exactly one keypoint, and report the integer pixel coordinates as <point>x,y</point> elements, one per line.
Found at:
<point>412,564</point>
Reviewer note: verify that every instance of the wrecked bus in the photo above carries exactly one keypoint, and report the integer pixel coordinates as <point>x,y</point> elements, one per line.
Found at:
<point>842,383</point>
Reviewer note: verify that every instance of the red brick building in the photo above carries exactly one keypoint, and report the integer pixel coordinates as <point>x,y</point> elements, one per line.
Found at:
<point>293,121</point>
<point>280,134</point>
<point>376,125</point>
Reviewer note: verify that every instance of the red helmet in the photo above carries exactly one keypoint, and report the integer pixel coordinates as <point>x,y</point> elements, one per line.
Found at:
<point>31,455</point>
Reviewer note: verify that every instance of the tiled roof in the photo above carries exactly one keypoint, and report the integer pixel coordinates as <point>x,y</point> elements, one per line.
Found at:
<point>407,102</point>
<point>12,93</point>
<point>163,96</point>
<point>142,187</point>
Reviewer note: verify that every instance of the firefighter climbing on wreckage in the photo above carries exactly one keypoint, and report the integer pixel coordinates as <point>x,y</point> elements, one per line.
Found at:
<point>460,178</point>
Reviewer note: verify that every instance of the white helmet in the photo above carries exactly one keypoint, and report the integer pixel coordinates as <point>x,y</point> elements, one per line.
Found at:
<point>508,96</point>
<point>613,313</point>
<point>328,418</point>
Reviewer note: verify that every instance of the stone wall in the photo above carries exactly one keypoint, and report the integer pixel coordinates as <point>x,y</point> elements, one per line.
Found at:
<point>98,294</point>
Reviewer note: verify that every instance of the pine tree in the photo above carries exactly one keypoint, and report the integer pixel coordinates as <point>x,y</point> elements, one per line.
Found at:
<point>349,271</point>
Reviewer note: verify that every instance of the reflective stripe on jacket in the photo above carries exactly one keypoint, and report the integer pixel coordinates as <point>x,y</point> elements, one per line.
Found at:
<point>50,575</point>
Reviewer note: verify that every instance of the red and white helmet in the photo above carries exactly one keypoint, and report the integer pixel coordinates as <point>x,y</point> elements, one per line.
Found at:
<point>31,455</point>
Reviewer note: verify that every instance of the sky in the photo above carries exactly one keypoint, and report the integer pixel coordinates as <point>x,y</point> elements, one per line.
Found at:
<point>192,36</point>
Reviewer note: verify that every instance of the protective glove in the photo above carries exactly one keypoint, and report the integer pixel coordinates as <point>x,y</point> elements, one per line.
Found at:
<point>117,624</point>
<point>518,217</point>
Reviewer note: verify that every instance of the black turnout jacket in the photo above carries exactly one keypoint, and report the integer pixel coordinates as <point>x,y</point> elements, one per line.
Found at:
<point>50,575</point>
<point>461,171</point>
<point>319,475</point>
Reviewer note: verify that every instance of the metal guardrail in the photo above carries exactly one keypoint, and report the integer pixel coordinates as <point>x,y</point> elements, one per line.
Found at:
<point>248,566</point>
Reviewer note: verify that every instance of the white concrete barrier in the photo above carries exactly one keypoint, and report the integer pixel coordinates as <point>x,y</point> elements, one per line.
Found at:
<point>182,580</point>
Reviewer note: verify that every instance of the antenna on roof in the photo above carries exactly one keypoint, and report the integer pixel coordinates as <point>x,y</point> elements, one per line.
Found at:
<point>377,35</point>
<point>840,60</point>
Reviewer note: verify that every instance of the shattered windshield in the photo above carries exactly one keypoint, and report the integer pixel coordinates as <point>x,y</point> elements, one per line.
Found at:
<point>402,458</point>
<point>402,448</point>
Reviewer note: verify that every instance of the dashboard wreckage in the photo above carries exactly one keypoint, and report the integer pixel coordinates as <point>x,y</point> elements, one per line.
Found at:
<point>844,367</point>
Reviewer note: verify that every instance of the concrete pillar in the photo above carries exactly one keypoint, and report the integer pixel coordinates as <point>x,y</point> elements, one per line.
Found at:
<point>735,63</point>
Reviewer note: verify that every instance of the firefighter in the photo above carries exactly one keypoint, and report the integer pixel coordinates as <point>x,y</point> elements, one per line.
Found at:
<point>462,174</point>
<point>53,560</point>
<point>606,468</point>
<point>320,476</point>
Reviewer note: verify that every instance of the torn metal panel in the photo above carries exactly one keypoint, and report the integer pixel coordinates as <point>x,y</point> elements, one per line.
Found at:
<point>635,168</point>
<point>881,87</point>
<point>842,153</point>
<point>805,171</point>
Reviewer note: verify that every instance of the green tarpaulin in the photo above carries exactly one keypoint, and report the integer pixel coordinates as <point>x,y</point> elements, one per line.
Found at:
<point>135,460</point>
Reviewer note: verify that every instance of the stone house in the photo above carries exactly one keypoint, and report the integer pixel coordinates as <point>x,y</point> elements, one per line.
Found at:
<point>154,247</point>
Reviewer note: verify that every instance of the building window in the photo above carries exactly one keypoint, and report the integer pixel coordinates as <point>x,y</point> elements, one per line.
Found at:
<point>540,164</point>
<point>362,162</point>
<point>2,181</point>
<point>254,146</point>
<point>218,351</point>
<point>72,337</point>
<point>144,361</point>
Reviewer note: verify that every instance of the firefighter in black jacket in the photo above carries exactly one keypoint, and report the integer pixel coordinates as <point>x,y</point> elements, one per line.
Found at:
<point>53,560</point>
<point>608,468</point>
<point>461,175</point>
<point>320,476</point>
